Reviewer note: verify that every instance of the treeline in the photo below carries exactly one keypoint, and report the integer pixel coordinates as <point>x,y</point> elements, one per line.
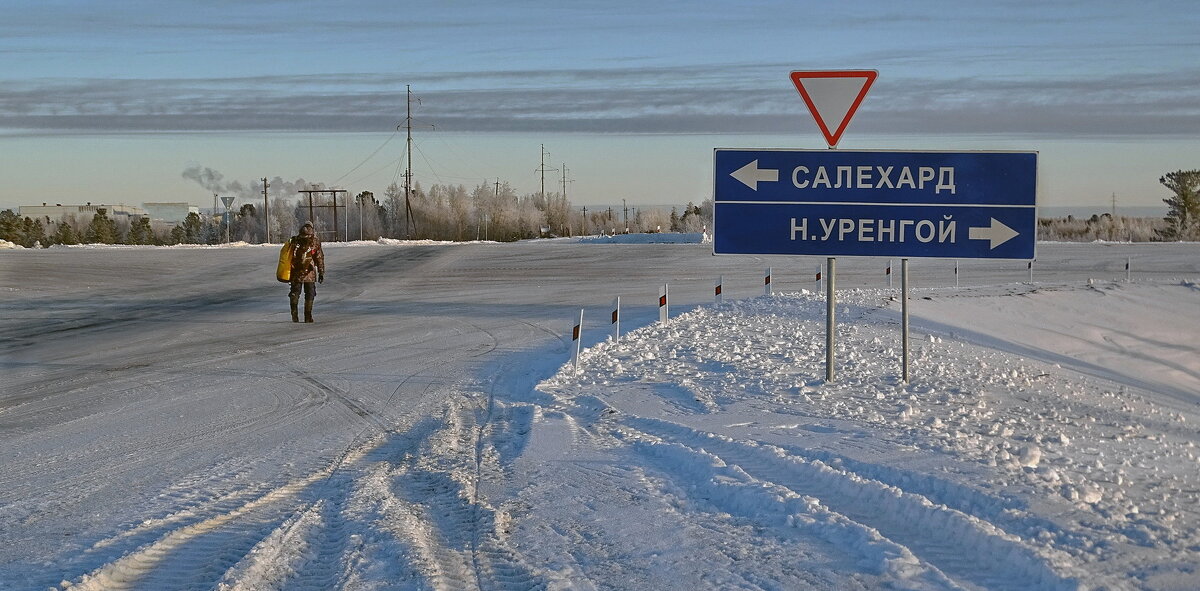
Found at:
<point>490,211</point>
<point>101,229</point>
<point>494,211</point>
<point>1104,227</point>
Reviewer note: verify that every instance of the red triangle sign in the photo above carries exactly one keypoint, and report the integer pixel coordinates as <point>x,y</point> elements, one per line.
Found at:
<point>833,96</point>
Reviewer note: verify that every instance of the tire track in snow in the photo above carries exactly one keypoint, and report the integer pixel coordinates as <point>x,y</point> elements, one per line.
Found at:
<point>971,550</point>
<point>218,542</point>
<point>423,491</point>
<point>436,520</point>
<point>198,546</point>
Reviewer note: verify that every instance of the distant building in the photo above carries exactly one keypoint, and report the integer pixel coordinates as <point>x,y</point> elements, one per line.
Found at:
<point>84,213</point>
<point>170,213</point>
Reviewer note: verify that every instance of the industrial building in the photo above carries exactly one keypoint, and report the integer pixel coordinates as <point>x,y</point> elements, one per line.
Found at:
<point>162,213</point>
<point>55,213</point>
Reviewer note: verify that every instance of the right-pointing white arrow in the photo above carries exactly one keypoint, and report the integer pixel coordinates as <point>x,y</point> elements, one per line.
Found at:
<point>751,175</point>
<point>997,233</point>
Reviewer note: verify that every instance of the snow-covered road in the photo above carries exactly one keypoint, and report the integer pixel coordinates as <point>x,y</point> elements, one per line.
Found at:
<point>165,426</point>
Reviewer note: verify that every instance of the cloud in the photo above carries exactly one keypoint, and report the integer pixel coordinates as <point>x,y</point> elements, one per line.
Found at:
<point>697,99</point>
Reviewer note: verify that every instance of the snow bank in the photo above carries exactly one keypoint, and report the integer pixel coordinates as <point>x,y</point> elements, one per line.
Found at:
<point>1035,474</point>
<point>655,238</point>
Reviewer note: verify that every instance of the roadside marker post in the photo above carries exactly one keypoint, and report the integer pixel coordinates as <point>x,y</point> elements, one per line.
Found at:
<point>830,320</point>
<point>956,273</point>
<point>1127,261</point>
<point>576,341</point>
<point>616,319</point>
<point>888,272</point>
<point>663,315</point>
<point>717,291</point>
<point>818,278</point>
<point>767,282</point>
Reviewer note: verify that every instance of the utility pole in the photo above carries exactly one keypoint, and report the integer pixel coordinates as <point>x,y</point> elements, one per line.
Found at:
<point>626,208</point>
<point>312,218</point>
<point>565,209</point>
<point>543,169</point>
<point>266,212</point>
<point>584,221</point>
<point>564,181</point>
<point>1114,207</point>
<point>408,171</point>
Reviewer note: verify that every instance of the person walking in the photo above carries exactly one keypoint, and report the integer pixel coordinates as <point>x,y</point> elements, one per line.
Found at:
<point>308,269</point>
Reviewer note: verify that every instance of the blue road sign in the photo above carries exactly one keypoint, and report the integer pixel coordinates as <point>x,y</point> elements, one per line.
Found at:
<point>875,203</point>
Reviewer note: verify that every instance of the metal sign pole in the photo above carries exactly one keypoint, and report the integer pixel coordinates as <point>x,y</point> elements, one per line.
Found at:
<point>830,320</point>
<point>904,317</point>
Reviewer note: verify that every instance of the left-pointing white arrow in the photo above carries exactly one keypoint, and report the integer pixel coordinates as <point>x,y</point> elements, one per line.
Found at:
<point>997,233</point>
<point>751,175</point>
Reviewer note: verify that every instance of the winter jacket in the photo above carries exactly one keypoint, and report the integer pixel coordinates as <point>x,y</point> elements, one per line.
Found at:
<point>307,263</point>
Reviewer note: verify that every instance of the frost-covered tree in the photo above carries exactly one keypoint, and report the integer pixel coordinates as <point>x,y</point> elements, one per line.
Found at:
<point>1183,206</point>
<point>64,233</point>
<point>12,228</point>
<point>461,212</point>
<point>34,233</point>
<point>140,232</point>
<point>193,228</point>
<point>102,230</point>
<point>393,197</point>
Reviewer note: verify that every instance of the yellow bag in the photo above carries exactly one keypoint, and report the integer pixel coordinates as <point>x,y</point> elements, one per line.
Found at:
<point>284,271</point>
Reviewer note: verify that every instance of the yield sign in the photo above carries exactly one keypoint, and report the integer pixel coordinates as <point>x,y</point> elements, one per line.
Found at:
<point>227,200</point>
<point>833,96</point>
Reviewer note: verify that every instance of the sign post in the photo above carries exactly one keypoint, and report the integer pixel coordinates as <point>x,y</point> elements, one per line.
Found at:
<point>228,201</point>
<point>870,203</point>
<point>904,318</point>
<point>830,317</point>
<point>901,204</point>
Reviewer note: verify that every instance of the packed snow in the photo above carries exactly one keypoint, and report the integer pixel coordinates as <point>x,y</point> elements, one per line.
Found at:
<point>165,426</point>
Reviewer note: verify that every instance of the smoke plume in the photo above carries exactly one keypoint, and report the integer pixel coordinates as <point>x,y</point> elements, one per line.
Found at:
<point>214,182</point>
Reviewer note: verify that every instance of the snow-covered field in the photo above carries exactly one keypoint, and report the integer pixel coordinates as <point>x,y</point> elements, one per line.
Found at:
<point>164,426</point>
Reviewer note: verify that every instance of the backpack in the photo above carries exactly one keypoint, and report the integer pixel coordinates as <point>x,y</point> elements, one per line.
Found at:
<point>283,272</point>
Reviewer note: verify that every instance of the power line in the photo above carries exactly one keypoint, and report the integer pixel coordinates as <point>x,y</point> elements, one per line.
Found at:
<point>385,142</point>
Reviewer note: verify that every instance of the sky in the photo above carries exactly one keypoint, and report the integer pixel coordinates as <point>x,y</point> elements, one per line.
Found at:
<point>113,102</point>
